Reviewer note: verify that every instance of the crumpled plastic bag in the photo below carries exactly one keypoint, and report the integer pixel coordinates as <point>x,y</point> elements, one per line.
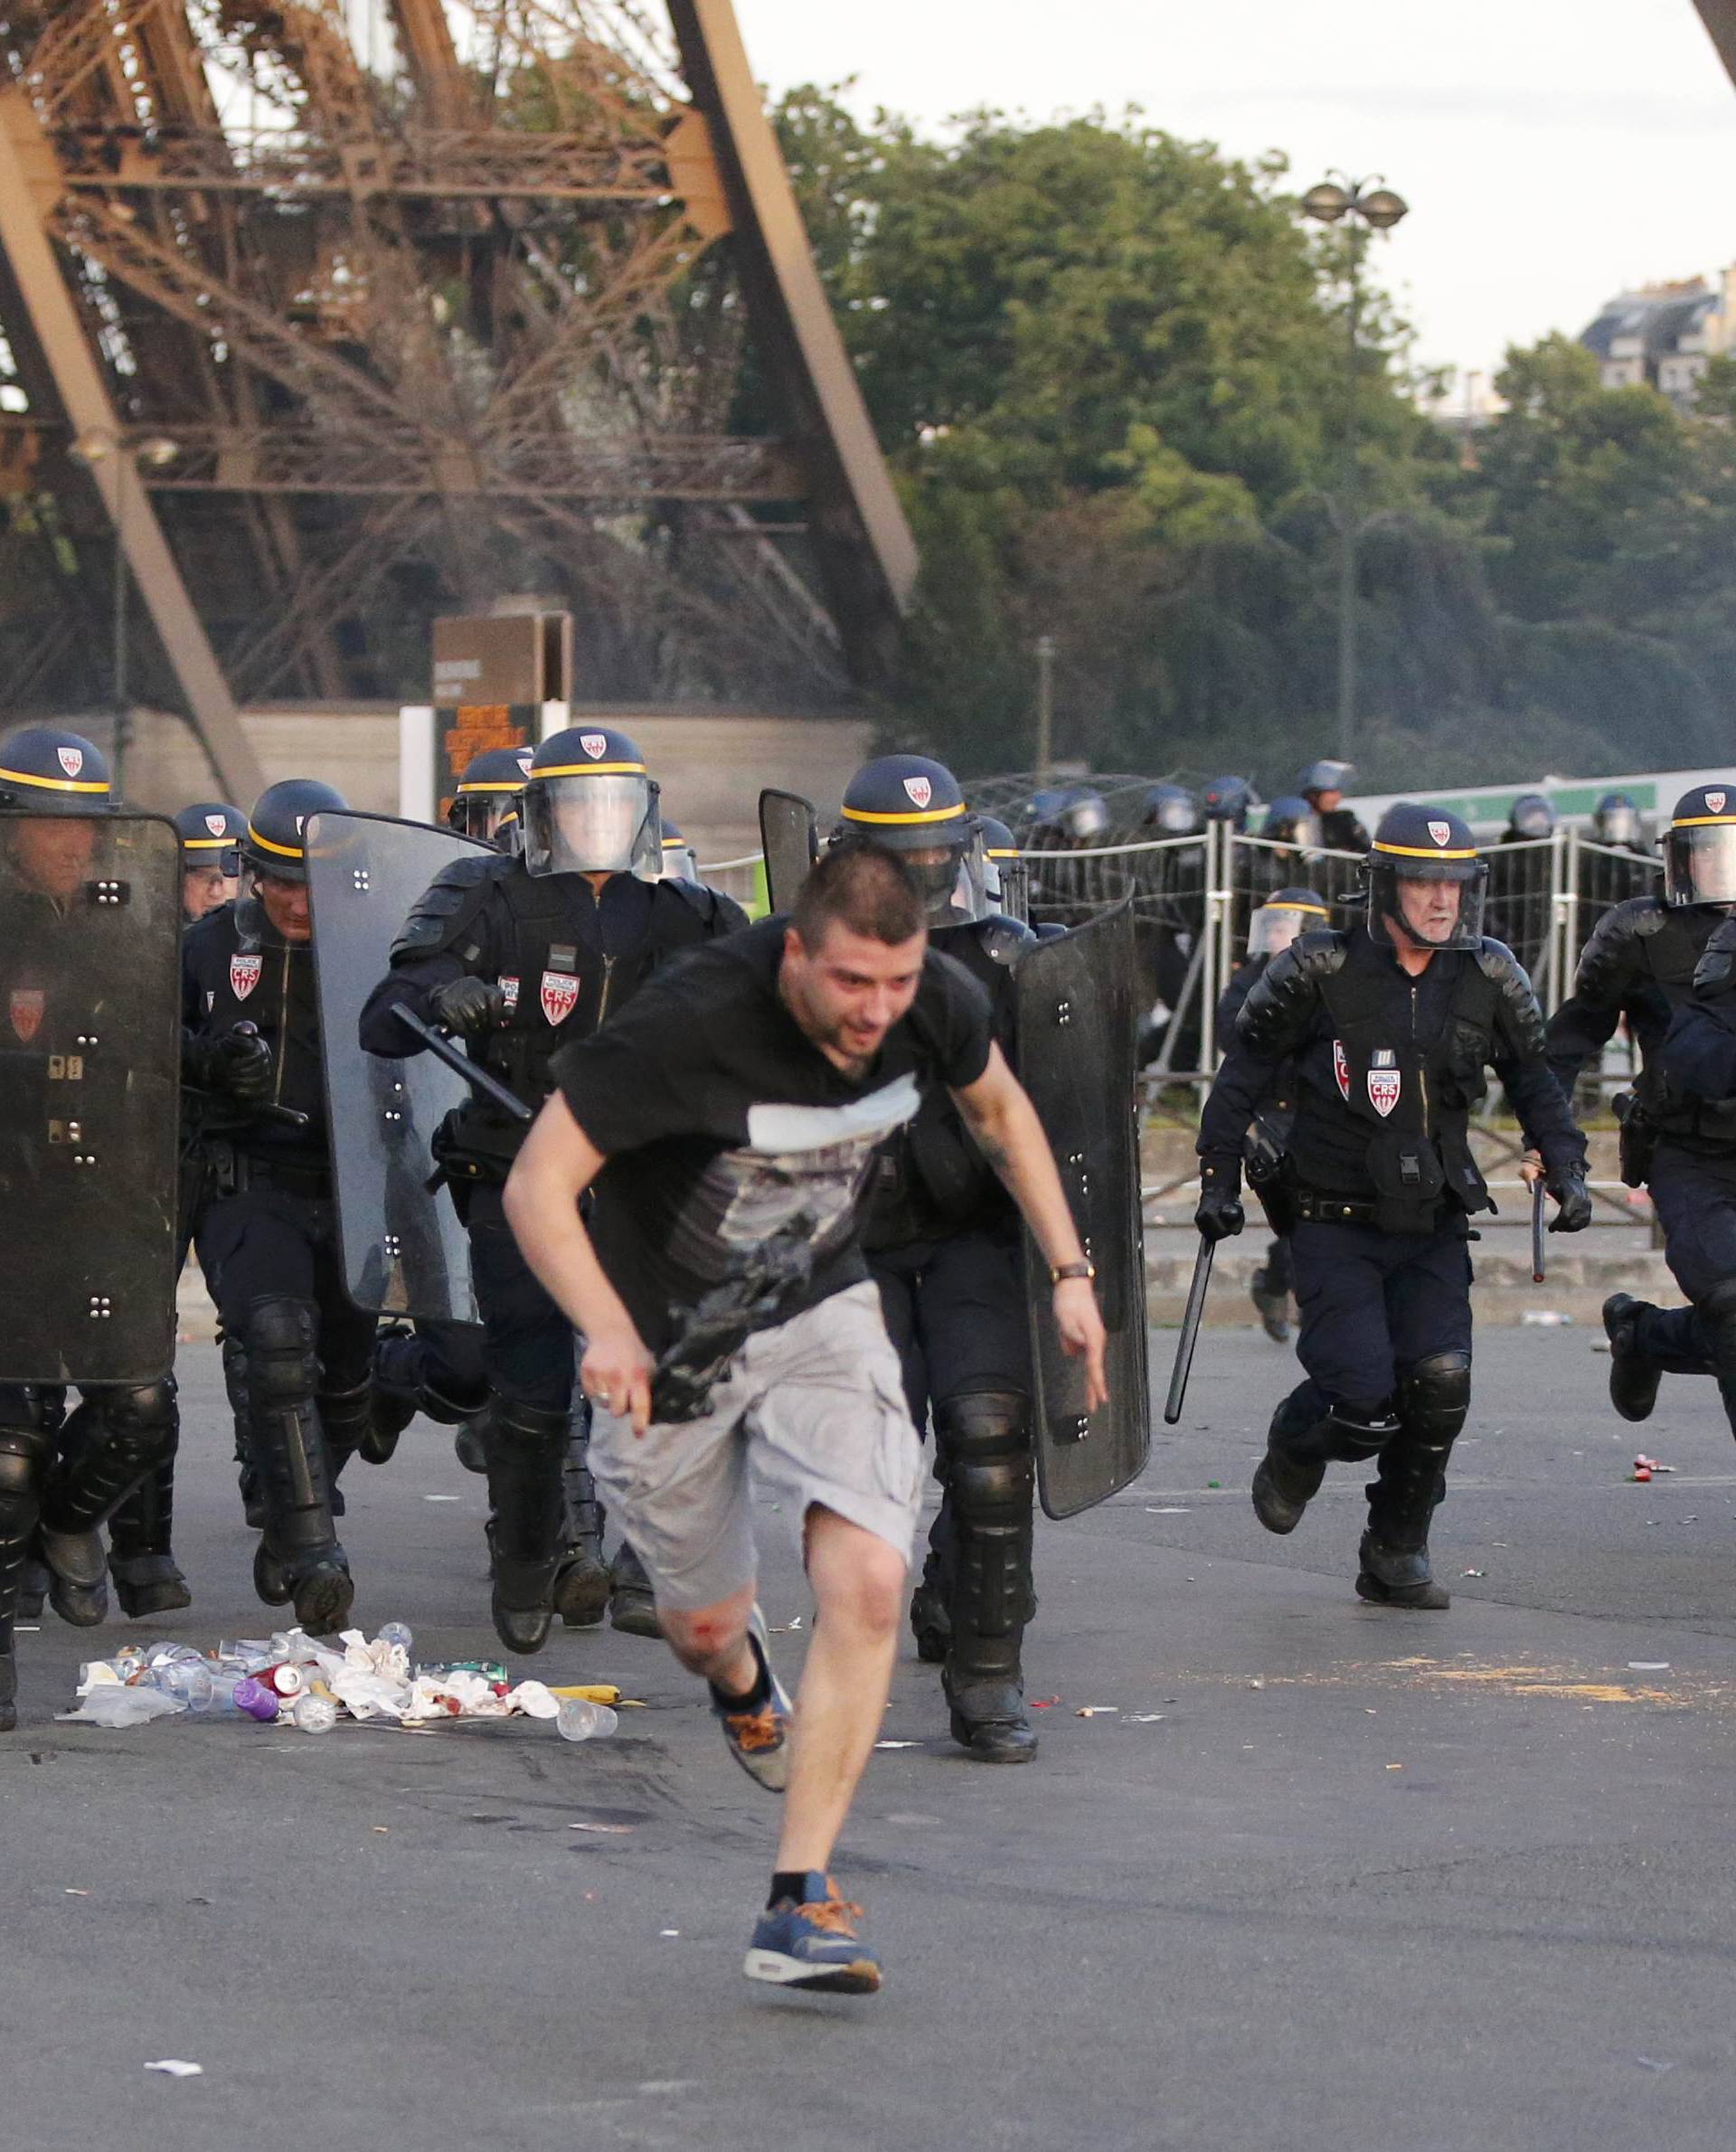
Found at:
<point>366,1694</point>
<point>113,1704</point>
<point>534,1700</point>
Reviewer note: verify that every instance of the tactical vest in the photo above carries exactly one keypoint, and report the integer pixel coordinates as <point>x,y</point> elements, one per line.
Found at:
<point>1669,953</point>
<point>930,1180</point>
<point>244,975</point>
<point>559,986</point>
<point>1414,1096</point>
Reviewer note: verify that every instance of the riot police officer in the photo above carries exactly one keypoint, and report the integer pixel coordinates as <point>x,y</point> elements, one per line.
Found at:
<point>1005,878</point>
<point>211,835</point>
<point>680,862</point>
<point>1678,1135</point>
<point>1322,785</point>
<point>141,1555</point>
<point>486,798</point>
<point>941,1235</point>
<point>1390,1026</point>
<point>1286,914</point>
<point>61,1477</point>
<point>520,955</point>
<point>1229,800</point>
<point>1617,821</point>
<point>296,1351</point>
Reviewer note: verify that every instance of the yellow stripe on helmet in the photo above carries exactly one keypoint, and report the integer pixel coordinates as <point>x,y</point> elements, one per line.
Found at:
<point>1693,821</point>
<point>588,770</point>
<point>209,844</point>
<point>54,784</point>
<point>495,785</point>
<point>1278,904</point>
<point>282,851</point>
<point>952,814</point>
<point>1423,851</point>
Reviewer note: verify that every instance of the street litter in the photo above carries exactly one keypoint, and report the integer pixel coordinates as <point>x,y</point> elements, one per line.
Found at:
<point>1545,1318</point>
<point>1096,1711</point>
<point>169,2067</point>
<point>1646,1467</point>
<point>1648,1666</point>
<point>1474,1573</point>
<point>293,1679</point>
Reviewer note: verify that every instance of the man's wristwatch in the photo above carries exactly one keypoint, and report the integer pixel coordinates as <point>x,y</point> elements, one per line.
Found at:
<point>1058,1271</point>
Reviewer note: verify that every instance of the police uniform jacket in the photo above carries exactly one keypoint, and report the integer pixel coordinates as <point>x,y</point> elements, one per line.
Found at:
<point>1388,1069</point>
<point>235,969</point>
<point>565,958</point>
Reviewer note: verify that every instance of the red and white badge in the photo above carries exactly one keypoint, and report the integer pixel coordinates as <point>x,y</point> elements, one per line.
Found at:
<point>920,790</point>
<point>1341,1069</point>
<point>559,996</point>
<point>244,975</point>
<point>27,1007</point>
<point>595,744</point>
<point>214,823</point>
<point>1715,801</point>
<point>1383,1088</point>
<point>72,760</point>
<point>1441,831</point>
<point>509,987</point>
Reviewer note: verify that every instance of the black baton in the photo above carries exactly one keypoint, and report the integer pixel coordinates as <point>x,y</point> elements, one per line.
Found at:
<point>1190,1330</point>
<point>442,1048</point>
<point>1537,1265</point>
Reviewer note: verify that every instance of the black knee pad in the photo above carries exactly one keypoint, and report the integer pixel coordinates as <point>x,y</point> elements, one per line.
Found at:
<point>1349,1432</point>
<point>280,1352</point>
<point>23,1460</point>
<point>1434,1397</point>
<point>985,1443</point>
<point>518,1429</point>
<point>142,1425</point>
<point>345,1415</point>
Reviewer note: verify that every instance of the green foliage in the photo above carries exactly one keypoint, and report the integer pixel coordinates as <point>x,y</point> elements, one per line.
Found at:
<point>1111,371</point>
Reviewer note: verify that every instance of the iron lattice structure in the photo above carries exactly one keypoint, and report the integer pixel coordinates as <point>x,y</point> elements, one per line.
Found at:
<point>418,309</point>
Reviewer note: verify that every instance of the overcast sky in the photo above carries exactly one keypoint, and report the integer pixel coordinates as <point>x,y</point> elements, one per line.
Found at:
<point>1554,151</point>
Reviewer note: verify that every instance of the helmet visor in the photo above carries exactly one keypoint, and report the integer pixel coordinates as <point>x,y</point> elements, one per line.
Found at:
<point>1419,909</point>
<point>583,825</point>
<point>1700,864</point>
<point>679,864</point>
<point>481,813</point>
<point>1275,926</point>
<point>1619,826</point>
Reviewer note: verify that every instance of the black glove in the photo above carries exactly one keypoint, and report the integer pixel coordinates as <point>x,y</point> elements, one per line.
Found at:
<point>1220,1213</point>
<point>237,1063</point>
<point>468,1005</point>
<point>1572,1198</point>
<point>1716,970</point>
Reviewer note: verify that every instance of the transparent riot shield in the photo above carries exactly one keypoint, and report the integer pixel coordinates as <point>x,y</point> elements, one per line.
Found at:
<point>89,1096</point>
<point>404,1251</point>
<point>1076,1021</point>
<point>789,837</point>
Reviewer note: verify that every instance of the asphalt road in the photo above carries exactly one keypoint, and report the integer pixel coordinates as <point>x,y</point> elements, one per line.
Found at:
<point>1312,1874</point>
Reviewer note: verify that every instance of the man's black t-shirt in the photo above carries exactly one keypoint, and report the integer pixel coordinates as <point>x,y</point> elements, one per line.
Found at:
<point>736,1150</point>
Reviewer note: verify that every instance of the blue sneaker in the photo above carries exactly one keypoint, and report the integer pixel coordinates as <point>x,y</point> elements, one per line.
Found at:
<point>759,1740</point>
<point>813,1945</point>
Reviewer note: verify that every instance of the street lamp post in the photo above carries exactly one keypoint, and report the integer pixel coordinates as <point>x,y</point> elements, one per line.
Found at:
<point>155,452</point>
<point>1371,206</point>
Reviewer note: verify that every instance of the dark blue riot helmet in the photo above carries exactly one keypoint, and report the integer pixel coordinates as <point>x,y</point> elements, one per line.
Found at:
<point>275,841</point>
<point>211,833</point>
<point>590,807</point>
<point>1700,847</point>
<point>1531,816</point>
<point>1419,853</point>
<point>1283,918</point>
<point>1292,820</point>
<point>914,807</point>
<point>1323,776</point>
<point>679,863</point>
<point>1229,799</point>
<point>487,795</point>
<point>1171,811</point>
<point>46,771</point>
<point>1617,821</point>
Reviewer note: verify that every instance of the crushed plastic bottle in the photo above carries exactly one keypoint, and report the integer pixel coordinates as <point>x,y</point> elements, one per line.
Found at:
<point>397,1633</point>
<point>314,1713</point>
<point>580,1720</point>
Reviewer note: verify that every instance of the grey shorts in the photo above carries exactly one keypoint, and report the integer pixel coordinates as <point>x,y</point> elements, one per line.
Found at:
<point>814,1408</point>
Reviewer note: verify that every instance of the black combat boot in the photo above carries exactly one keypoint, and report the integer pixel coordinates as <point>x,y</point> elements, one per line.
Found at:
<point>984,1441</point>
<point>526,1445</point>
<point>1269,1289</point>
<point>141,1557</point>
<point>1308,1433</point>
<point>1409,1485</point>
<point>24,1452</point>
<point>116,1439</point>
<point>1634,1375</point>
<point>298,1557</point>
<point>582,1585</point>
<point>632,1603</point>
